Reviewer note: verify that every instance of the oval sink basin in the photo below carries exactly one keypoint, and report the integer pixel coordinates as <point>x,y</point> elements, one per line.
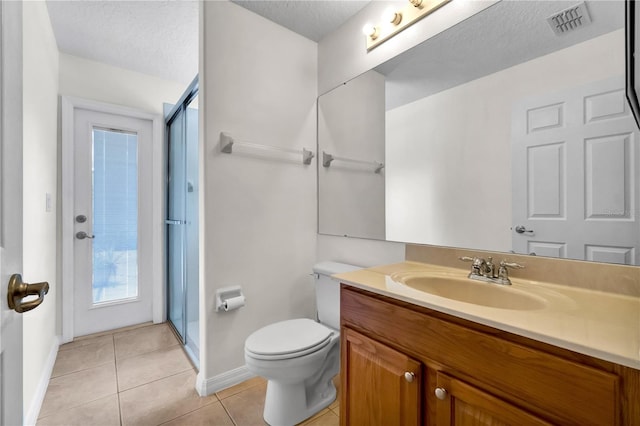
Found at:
<point>471,291</point>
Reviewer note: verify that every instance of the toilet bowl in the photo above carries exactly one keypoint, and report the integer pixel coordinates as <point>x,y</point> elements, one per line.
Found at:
<point>299,372</point>
<point>300,357</point>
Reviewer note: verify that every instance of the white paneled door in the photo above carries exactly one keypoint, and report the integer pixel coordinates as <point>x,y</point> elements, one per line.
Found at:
<point>11,208</point>
<point>575,171</point>
<point>112,221</point>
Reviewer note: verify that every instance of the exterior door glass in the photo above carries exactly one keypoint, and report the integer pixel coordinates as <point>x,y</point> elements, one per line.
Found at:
<point>115,215</point>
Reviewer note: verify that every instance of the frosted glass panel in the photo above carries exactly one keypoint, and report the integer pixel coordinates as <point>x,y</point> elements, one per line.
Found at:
<point>115,215</point>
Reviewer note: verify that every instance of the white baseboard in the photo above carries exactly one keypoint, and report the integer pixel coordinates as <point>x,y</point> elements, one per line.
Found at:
<point>222,381</point>
<point>31,416</point>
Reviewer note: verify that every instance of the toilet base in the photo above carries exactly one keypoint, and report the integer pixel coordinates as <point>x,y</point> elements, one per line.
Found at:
<point>287,405</point>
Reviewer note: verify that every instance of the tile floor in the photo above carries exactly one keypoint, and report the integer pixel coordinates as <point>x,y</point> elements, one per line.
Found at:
<point>141,376</point>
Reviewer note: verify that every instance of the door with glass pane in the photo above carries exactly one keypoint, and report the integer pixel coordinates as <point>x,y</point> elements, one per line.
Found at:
<point>112,218</point>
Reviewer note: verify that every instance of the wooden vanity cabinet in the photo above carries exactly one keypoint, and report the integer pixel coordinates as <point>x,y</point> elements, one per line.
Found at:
<point>459,403</point>
<point>383,387</point>
<point>379,370</point>
<point>407,365</point>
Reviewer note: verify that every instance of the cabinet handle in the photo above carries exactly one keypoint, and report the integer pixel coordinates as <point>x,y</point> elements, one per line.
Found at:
<point>409,376</point>
<point>441,393</point>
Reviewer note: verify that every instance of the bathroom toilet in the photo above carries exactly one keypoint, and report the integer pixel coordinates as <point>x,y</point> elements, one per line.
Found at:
<point>300,357</point>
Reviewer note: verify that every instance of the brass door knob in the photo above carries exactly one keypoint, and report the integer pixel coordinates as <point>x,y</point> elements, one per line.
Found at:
<point>18,290</point>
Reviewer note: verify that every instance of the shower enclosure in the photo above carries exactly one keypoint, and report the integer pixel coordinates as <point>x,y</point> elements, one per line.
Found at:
<point>182,219</point>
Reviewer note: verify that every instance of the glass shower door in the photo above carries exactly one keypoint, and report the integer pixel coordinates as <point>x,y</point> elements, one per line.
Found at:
<point>182,221</point>
<point>191,248</point>
<point>176,221</point>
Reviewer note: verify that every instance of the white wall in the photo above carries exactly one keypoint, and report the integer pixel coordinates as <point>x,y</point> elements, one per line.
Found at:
<point>342,55</point>
<point>40,112</point>
<point>351,122</point>
<point>259,213</point>
<point>105,83</point>
<point>424,169</point>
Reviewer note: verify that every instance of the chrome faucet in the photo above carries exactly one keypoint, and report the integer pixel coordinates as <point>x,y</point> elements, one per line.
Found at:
<point>485,270</point>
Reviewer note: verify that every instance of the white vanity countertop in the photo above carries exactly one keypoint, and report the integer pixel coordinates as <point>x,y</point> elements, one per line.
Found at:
<point>599,324</point>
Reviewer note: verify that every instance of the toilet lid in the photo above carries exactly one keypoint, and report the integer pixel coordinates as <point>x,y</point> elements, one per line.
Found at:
<point>288,337</point>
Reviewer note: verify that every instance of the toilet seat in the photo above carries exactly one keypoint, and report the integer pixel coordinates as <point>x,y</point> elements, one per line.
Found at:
<point>288,339</point>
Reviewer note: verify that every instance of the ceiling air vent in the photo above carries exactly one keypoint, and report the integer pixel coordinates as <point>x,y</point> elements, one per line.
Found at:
<point>569,19</point>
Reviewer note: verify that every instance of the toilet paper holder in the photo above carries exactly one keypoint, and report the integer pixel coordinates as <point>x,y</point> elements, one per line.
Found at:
<point>229,298</point>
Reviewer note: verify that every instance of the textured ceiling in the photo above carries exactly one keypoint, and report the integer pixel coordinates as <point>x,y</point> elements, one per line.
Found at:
<point>312,19</point>
<point>501,36</point>
<point>160,37</point>
<point>154,37</point>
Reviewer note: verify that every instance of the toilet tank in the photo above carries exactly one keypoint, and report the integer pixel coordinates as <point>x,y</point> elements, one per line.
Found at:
<point>328,291</point>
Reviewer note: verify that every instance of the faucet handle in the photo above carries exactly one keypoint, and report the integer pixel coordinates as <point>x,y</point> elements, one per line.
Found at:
<point>513,265</point>
<point>474,260</point>
<point>478,264</point>
<point>503,272</point>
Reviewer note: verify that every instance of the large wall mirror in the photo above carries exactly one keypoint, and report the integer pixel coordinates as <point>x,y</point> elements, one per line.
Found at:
<point>508,132</point>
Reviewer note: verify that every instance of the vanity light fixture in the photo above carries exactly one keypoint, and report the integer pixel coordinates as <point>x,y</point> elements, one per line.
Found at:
<point>395,21</point>
<point>393,17</point>
<point>370,31</point>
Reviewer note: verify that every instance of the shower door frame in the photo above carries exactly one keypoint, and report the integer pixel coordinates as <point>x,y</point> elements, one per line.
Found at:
<point>180,107</point>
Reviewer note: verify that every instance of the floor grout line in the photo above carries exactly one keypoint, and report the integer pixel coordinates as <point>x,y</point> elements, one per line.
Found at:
<point>189,412</point>
<point>228,413</point>
<point>113,332</point>
<point>148,352</point>
<point>73,407</point>
<point>87,368</point>
<point>79,371</point>
<point>155,380</point>
<point>115,362</point>
<point>78,405</point>
<point>171,345</point>
<point>61,349</point>
<point>240,391</point>
<point>120,410</point>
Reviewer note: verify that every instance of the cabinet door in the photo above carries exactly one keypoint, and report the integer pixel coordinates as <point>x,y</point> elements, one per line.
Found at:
<point>381,385</point>
<point>458,403</point>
